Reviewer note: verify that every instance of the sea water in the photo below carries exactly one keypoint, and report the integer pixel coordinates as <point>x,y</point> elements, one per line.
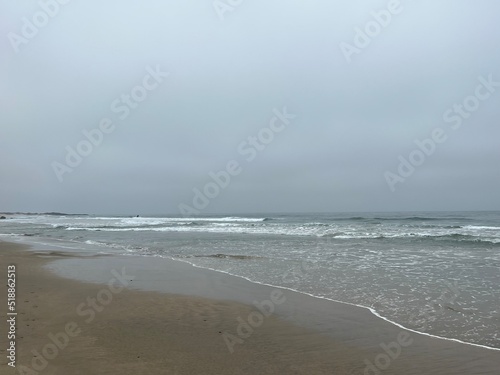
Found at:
<point>433,272</point>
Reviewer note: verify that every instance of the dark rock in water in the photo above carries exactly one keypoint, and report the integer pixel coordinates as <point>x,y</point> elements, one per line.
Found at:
<point>2,217</point>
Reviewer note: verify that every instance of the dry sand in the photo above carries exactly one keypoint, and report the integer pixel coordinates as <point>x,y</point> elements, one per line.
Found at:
<point>147,332</point>
<point>142,332</point>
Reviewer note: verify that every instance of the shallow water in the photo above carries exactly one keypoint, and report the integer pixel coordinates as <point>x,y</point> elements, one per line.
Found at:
<point>432,272</point>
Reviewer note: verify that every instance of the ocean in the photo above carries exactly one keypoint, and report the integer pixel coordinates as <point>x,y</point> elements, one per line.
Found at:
<point>436,273</point>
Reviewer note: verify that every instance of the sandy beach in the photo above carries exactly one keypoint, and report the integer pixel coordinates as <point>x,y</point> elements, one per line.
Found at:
<point>132,315</point>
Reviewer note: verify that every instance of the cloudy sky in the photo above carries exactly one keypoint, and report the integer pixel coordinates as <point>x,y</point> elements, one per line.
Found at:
<point>359,81</point>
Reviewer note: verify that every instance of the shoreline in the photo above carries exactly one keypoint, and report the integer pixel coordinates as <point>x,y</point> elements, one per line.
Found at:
<point>149,332</point>
<point>331,337</point>
<point>373,311</point>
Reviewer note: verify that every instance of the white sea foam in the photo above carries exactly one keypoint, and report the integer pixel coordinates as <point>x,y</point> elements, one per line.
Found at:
<point>396,263</point>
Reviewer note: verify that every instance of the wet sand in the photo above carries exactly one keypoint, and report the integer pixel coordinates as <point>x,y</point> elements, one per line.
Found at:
<point>138,315</point>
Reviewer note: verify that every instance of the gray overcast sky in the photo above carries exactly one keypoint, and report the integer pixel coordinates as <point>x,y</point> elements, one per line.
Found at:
<point>353,119</point>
